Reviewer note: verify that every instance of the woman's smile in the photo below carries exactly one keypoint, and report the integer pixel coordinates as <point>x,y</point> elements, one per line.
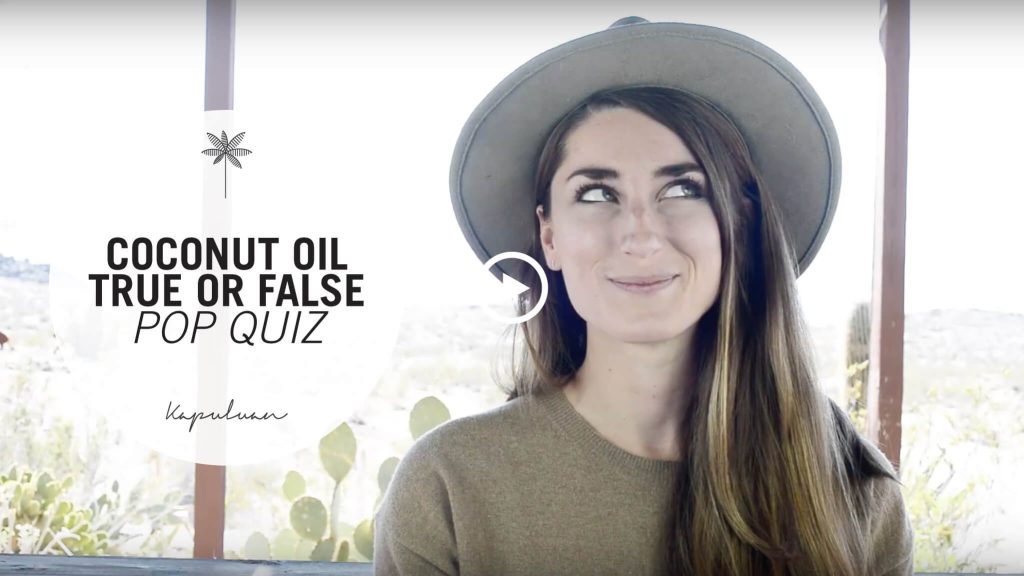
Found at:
<point>643,284</point>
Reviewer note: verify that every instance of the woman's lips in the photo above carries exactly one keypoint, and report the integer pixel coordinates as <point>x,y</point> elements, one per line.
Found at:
<point>643,285</point>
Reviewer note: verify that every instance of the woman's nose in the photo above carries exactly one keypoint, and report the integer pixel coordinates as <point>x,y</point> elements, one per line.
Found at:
<point>642,235</point>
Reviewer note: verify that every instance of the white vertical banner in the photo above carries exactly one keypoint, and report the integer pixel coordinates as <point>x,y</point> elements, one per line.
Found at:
<point>213,353</point>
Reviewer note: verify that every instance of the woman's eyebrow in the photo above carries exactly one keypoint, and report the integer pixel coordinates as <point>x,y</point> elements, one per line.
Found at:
<point>594,173</point>
<point>678,169</point>
<point>598,173</point>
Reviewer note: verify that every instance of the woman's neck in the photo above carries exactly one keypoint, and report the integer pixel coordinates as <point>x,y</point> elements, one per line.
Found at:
<point>633,393</point>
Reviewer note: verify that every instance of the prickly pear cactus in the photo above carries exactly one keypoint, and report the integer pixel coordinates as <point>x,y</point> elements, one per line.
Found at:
<point>309,518</point>
<point>338,451</point>
<point>386,471</point>
<point>363,537</point>
<point>35,519</point>
<point>316,531</point>
<point>294,485</point>
<point>427,414</point>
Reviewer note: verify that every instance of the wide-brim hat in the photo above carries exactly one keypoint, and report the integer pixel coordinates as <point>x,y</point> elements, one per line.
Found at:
<point>785,124</point>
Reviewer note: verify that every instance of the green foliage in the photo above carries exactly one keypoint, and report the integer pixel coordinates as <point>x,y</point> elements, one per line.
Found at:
<point>363,537</point>
<point>323,551</point>
<point>387,470</point>
<point>309,518</point>
<point>143,521</point>
<point>36,519</point>
<point>294,485</point>
<point>858,352</point>
<point>164,514</point>
<point>338,451</point>
<point>39,442</point>
<point>941,516</point>
<point>308,537</point>
<point>304,549</point>
<point>942,511</point>
<point>426,415</point>
<point>856,374</point>
<point>941,502</point>
<point>342,555</point>
<point>285,545</point>
<point>257,547</point>
<point>37,516</point>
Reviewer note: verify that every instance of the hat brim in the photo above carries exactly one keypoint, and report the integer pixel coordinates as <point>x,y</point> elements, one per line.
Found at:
<point>788,130</point>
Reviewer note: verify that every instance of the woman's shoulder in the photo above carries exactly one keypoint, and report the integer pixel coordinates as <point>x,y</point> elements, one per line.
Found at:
<point>890,536</point>
<point>415,523</point>
<point>454,447</point>
<point>888,532</point>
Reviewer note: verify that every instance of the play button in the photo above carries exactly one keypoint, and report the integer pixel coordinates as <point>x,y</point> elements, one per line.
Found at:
<point>511,287</point>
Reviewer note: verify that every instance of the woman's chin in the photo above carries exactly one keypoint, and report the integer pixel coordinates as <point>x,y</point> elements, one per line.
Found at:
<point>652,334</point>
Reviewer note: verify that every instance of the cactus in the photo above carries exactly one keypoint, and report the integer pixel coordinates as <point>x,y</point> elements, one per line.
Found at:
<point>115,509</point>
<point>284,544</point>
<point>35,519</point>
<point>342,555</point>
<point>309,518</point>
<point>338,451</point>
<point>387,470</point>
<point>294,485</point>
<point>427,414</point>
<point>363,537</point>
<point>858,350</point>
<point>308,537</point>
<point>257,547</point>
<point>323,551</point>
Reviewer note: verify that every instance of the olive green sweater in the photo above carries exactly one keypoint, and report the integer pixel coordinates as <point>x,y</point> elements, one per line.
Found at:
<point>531,488</point>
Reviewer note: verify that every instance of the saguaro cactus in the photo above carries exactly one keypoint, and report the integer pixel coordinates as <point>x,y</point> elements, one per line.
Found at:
<point>858,350</point>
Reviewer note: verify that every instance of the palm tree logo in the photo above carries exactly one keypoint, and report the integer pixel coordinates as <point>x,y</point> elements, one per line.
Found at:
<point>227,149</point>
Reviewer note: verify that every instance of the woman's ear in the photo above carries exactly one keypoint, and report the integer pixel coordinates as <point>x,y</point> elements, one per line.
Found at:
<point>547,239</point>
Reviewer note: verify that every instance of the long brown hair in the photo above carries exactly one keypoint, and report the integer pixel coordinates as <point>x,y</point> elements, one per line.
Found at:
<point>772,475</point>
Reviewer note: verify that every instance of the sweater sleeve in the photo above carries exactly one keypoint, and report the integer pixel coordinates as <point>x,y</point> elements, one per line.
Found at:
<point>892,537</point>
<point>413,530</point>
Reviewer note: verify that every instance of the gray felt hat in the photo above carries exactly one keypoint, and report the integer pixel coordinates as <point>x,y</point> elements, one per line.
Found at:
<point>786,126</point>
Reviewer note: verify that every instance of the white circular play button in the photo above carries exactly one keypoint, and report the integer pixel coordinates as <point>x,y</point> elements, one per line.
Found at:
<point>512,287</point>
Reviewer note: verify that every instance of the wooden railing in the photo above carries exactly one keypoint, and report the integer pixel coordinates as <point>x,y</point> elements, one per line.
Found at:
<point>32,565</point>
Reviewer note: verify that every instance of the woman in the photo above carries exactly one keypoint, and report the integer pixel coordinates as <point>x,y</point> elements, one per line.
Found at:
<point>665,417</point>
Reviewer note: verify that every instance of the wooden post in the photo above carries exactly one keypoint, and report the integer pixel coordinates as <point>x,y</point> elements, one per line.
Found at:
<point>885,380</point>
<point>220,55</point>
<point>210,480</point>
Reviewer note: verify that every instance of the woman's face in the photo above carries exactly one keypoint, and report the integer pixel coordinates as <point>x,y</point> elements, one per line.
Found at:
<point>631,228</point>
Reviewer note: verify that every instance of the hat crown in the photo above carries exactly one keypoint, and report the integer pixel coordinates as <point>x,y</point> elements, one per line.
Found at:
<point>629,20</point>
<point>791,138</point>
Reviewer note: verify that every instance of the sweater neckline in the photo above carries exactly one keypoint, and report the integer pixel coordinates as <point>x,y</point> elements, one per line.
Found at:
<point>582,432</point>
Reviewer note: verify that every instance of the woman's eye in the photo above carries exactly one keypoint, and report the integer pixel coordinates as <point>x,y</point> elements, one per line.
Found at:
<point>595,194</point>
<point>684,188</point>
